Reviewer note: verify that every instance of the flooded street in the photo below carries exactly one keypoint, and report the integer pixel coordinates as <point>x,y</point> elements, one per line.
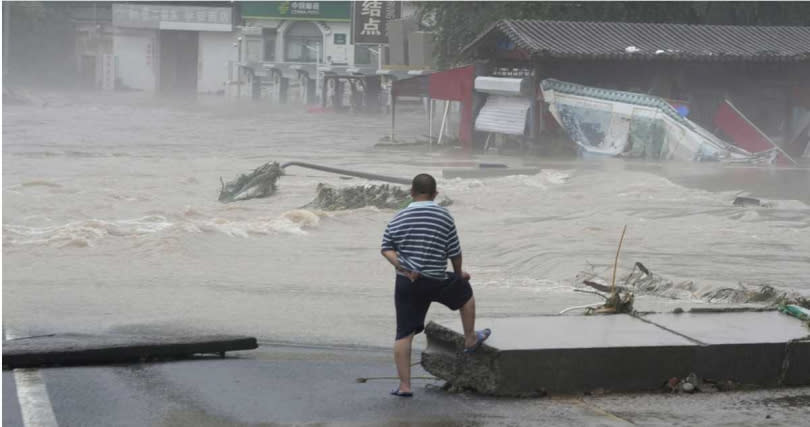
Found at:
<point>111,223</point>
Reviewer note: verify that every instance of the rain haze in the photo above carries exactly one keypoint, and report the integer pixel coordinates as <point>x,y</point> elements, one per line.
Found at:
<point>126,127</point>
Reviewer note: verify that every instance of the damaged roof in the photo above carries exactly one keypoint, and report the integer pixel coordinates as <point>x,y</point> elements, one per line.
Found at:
<point>619,40</point>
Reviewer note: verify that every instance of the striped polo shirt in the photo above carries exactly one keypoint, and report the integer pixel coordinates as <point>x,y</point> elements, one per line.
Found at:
<point>424,237</point>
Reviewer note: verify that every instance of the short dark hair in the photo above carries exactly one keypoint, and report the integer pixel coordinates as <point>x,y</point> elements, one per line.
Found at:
<point>423,184</point>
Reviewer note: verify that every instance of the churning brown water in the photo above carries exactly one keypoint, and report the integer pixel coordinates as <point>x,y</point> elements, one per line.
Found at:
<point>111,222</point>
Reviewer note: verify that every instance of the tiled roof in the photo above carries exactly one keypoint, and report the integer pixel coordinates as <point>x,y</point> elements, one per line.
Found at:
<point>643,40</point>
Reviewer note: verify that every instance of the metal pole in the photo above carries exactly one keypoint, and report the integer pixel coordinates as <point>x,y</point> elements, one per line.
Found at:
<point>393,114</point>
<point>444,121</point>
<point>430,122</point>
<point>365,175</point>
<point>239,68</point>
<point>317,65</point>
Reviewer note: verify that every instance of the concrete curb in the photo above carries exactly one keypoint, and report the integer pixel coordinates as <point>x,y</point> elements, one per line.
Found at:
<point>79,349</point>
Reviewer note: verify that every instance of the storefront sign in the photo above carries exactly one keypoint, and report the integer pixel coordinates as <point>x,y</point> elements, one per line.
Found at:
<point>191,18</point>
<point>370,20</point>
<point>298,10</point>
<point>251,31</point>
<point>340,38</point>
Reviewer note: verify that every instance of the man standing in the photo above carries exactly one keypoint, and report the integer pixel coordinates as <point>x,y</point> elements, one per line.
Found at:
<point>418,242</point>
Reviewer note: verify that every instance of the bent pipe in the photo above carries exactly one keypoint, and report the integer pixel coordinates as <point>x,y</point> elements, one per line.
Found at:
<point>371,176</point>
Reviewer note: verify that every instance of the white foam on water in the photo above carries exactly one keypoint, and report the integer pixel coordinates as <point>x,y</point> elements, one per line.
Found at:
<point>544,179</point>
<point>82,233</point>
<point>86,233</point>
<point>296,221</point>
<point>459,184</point>
<point>526,284</point>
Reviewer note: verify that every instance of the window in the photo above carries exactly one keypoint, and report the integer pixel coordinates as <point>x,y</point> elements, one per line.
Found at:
<point>253,50</point>
<point>362,56</point>
<point>269,37</point>
<point>303,43</point>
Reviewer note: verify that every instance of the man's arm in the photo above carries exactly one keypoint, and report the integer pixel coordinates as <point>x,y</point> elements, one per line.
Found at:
<point>456,261</point>
<point>391,256</point>
<point>453,248</point>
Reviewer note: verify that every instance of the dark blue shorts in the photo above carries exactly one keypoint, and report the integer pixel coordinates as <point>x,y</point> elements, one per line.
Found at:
<point>412,300</point>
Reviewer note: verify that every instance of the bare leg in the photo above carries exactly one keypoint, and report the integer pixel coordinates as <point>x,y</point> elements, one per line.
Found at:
<point>467,312</point>
<point>402,358</point>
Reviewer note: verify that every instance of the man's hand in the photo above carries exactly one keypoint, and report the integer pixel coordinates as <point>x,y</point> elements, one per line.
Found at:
<point>391,256</point>
<point>457,268</point>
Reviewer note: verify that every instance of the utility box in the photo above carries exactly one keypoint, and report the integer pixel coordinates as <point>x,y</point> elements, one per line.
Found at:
<point>398,31</point>
<point>420,49</point>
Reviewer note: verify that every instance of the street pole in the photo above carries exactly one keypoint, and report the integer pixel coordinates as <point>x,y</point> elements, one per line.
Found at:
<point>6,32</point>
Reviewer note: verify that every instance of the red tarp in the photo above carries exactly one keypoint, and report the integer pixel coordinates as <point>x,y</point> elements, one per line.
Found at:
<point>744,134</point>
<point>450,85</point>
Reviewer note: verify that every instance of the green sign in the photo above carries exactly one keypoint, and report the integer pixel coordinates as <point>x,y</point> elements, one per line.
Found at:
<point>299,10</point>
<point>340,38</point>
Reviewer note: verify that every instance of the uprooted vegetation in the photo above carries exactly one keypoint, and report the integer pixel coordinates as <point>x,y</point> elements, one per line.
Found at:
<point>641,280</point>
<point>259,183</point>
<point>381,196</point>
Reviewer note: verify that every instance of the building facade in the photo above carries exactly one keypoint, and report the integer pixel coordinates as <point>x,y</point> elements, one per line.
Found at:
<point>95,62</point>
<point>308,52</point>
<point>173,48</point>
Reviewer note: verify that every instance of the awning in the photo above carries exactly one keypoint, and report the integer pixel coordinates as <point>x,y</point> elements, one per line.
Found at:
<point>452,85</point>
<point>504,114</point>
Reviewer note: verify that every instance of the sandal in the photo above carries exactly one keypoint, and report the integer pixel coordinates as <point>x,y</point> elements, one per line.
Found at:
<point>398,393</point>
<point>481,336</point>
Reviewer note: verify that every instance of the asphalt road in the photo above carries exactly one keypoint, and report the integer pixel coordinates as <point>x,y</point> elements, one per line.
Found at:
<point>304,386</point>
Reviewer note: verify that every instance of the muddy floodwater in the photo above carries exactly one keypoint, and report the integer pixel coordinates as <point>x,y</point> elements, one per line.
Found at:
<point>111,223</point>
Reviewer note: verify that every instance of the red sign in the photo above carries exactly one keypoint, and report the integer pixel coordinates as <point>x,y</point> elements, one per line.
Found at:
<point>745,134</point>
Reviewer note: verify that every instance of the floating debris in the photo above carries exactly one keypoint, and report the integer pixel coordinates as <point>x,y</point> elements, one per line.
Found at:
<point>382,196</point>
<point>604,122</point>
<point>259,183</point>
<point>746,202</point>
<point>641,280</point>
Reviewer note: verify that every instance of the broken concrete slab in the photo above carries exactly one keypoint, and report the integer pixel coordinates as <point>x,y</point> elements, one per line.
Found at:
<point>739,327</point>
<point>81,349</point>
<point>487,172</point>
<point>567,354</point>
<point>560,354</point>
<point>763,348</point>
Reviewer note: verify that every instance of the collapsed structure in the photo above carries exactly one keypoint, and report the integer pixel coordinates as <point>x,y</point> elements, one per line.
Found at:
<point>616,123</point>
<point>698,70</point>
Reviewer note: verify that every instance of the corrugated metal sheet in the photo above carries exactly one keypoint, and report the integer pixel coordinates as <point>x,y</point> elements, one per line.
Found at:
<point>612,95</point>
<point>502,86</point>
<point>503,114</point>
<point>654,41</point>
